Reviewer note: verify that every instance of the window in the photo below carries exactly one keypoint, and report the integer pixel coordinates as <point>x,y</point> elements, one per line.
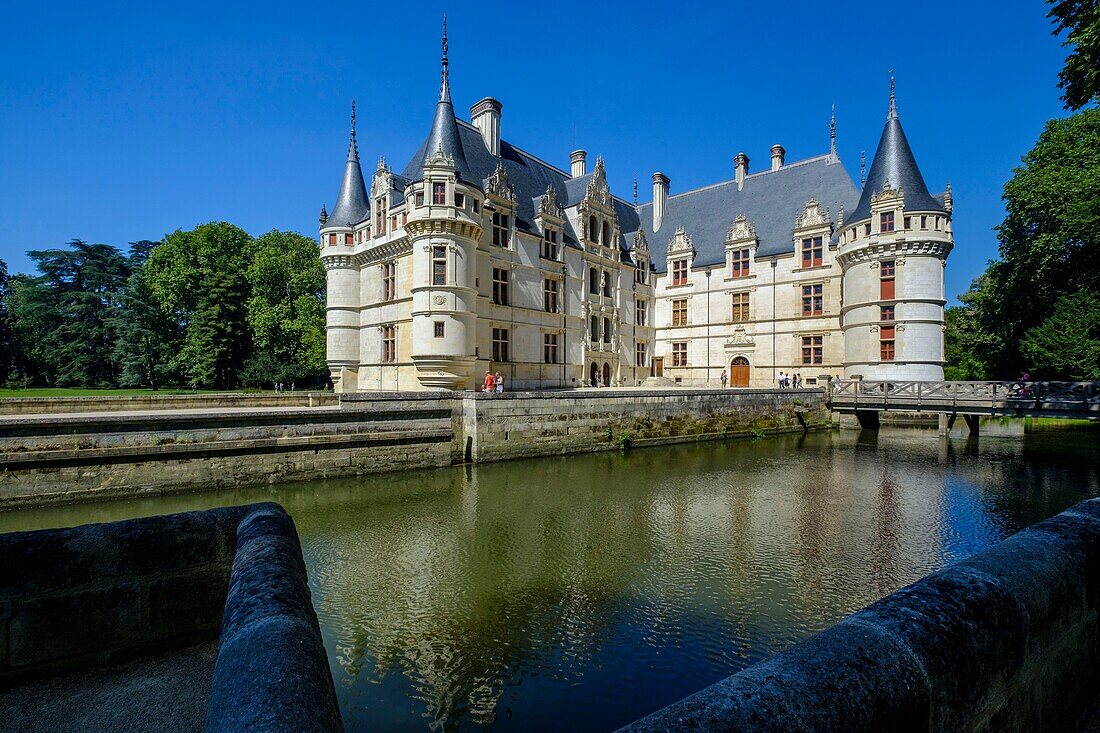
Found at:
<point>332,239</point>
<point>477,207</point>
<point>549,348</point>
<point>867,229</point>
<point>812,349</point>
<point>639,354</point>
<point>440,329</point>
<point>347,239</point>
<point>740,308</point>
<point>811,300</point>
<point>393,222</point>
<point>500,286</point>
<point>607,330</point>
<point>639,312</point>
<point>500,229</point>
<point>389,344</point>
<point>811,252</point>
<point>404,218</point>
<point>606,234</point>
<point>886,221</point>
<point>680,272</point>
<point>593,281</point>
<point>679,353</point>
<point>606,277</point>
<point>500,344</point>
<point>460,200</point>
<point>439,265</point>
<point>680,312</point>
<point>419,198</point>
<point>389,281</point>
<point>640,273</point>
<point>594,328</point>
<point>908,221</point>
<point>924,222</point>
<point>886,313</point>
<point>550,244</point>
<point>550,295</point>
<point>886,280</point>
<point>593,229</point>
<point>379,218</point>
<point>739,263</point>
<point>886,343</point>
<point>439,193</point>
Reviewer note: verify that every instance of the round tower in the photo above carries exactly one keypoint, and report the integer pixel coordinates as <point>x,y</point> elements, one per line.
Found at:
<point>342,272</point>
<point>444,228</point>
<point>893,249</point>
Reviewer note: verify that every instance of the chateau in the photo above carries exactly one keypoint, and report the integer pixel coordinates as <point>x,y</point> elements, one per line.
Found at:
<point>480,256</point>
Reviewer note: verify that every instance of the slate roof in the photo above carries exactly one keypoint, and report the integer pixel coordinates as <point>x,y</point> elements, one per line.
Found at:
<point>771,200</point>
<point>528,174</point>
<point>894,162</point>
<point>351,204</point>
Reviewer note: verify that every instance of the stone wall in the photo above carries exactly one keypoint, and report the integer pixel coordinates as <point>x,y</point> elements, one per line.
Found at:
<point>499,427</point>
<point>1006,640</point>
<point>103,593</point>
<point>109,403</point>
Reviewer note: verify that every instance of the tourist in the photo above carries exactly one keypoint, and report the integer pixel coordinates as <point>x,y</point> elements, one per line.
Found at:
<point>798,381</point>
<point>781,377</point>
<point>723,378</point>
<point>490,383</point>
<point>498,383</point>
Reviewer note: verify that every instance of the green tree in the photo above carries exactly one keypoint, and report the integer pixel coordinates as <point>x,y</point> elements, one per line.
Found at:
<point>286,311</point>
<point>1080,77</point>
<point>7,339</point>
<point>197,279</point>
<point>148,340</point>
<point>1066,345</point>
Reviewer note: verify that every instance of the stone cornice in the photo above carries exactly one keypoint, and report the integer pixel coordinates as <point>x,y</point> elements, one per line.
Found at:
<point>385,251</point>
<point>873,251</point>
<point>455,227</point>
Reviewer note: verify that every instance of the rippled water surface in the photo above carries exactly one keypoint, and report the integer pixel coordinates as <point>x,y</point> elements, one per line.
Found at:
<point>581,593</point>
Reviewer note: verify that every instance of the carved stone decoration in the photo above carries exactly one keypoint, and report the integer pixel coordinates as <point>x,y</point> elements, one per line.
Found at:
<point>597,191</point>
<point>742,229</point>
<point>549,206</point>
<point>640,246</point>
<point>439,159</point>
<point>887,193</point>
<point>813,215</point>
<point>680,243</point>
<point>383,179</point>
<point>739,338</point>
<point>498,185</point>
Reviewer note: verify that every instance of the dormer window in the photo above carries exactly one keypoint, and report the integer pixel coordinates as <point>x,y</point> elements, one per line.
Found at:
<point>739,262</point>
<point>477,207</point>
<point>886,222</point>
<point>439,193</point>
<point>680,272</point>
<point>593,229</point>
<point>379,217</point>
<point>640,273</point>
<point>419,198</point>
<point>606,235</point>
<point>550,244</point>
<point>812,252</point>
<point>500,229</point>
<point>460,201</point>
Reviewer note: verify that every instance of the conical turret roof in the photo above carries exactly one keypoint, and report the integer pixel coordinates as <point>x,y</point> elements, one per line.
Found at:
<point>444,135</point>
<point>351,205</point>
<point>894,164</point>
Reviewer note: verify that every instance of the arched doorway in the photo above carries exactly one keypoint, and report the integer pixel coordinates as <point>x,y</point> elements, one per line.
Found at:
<point>739,372</point>
<point>594,375</point>
<point>606,374</point>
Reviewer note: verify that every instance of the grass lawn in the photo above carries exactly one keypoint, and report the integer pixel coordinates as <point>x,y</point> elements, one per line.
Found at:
<point>78,392</point>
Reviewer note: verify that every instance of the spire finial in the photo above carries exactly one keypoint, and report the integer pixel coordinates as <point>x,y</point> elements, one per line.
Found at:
<point>445,82</point>
<point>862,168</point>
<point>893,100</point>
<point>635,189</point>
<point>832,133</point>
<point>353,146</point>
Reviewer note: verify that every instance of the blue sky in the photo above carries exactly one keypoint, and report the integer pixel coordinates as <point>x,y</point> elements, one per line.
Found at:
<point>121,122</point>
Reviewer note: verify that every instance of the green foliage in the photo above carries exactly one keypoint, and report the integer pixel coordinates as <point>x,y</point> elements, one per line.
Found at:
<point>147,339</point>
<point>7,345</point>
<point>964,346</point>
<point>756,434</point>
<point>217,340</point>
<point>624,441</point>
<point>1048,245</point>
<point>1066,345</point>
<point>1080,77</point>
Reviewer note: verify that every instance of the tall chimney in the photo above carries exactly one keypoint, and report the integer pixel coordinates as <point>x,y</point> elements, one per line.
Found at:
<point>778,154</point>
<point>741,164</point>
<point>660,198</point>
<point>576,163</point>
<point>486,117</point>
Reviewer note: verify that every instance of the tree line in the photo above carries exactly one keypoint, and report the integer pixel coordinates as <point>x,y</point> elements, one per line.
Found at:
<point>1036,309</point>
<point>212,307</point>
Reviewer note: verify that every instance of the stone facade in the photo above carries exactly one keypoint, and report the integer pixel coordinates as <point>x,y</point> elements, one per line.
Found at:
<point>480,256</point>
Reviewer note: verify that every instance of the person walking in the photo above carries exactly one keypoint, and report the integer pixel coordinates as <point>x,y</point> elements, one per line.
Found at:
<point>723,378</point>
<point>498,382</point>
<point>490,383</point>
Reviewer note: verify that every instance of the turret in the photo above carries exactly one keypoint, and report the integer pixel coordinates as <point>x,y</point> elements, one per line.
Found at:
<point>445,230</point>
<point>342,276</point>
<point>893,247</point>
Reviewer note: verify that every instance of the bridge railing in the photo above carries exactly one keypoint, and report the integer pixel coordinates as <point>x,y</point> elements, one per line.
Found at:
<point>989,395</point>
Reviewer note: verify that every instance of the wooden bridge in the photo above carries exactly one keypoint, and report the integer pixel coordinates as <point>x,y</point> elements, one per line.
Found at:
<point>866,399</point>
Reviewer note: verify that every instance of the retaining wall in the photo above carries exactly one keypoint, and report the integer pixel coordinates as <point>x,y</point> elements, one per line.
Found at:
<point>108,403</point>
<point>1004,641</point>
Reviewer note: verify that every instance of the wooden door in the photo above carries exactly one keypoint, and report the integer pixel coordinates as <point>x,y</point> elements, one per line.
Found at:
<point>739,372</point>
<point>658,367</point>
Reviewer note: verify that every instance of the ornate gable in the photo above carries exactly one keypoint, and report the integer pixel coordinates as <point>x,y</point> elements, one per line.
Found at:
<point>680,245</point>
<point>813,216</point>
<point>888,196</point>
<point>549,206</point>
<point>597,191</point>
<point>383,179</point>
<point>741,233</point>
<point>498,185</point>
<point>639,247</point>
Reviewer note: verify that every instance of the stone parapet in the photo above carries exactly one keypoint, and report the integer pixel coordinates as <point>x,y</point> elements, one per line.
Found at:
<point>109,403</point>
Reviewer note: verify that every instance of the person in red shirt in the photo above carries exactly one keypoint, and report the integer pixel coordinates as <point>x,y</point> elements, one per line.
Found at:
<point>490,384</point>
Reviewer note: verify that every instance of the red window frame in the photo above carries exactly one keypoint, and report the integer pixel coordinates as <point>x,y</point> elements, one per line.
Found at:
<point>680,312</point>
<point>680,272</point>
<point>886,222</point>
<point>389,344</point>
<point>739,263</point>
<point>679,353</point>
<point>812,299</point>
<point>812,252</point>
<point>812,350</point>
<point>439,265</point>
<point>439,192</point>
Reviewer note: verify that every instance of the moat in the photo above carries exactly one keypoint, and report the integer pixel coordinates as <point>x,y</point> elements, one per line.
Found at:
<point>583,592</point>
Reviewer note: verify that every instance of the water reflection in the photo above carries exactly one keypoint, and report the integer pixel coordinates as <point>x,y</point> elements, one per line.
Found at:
<point>580,593</point>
